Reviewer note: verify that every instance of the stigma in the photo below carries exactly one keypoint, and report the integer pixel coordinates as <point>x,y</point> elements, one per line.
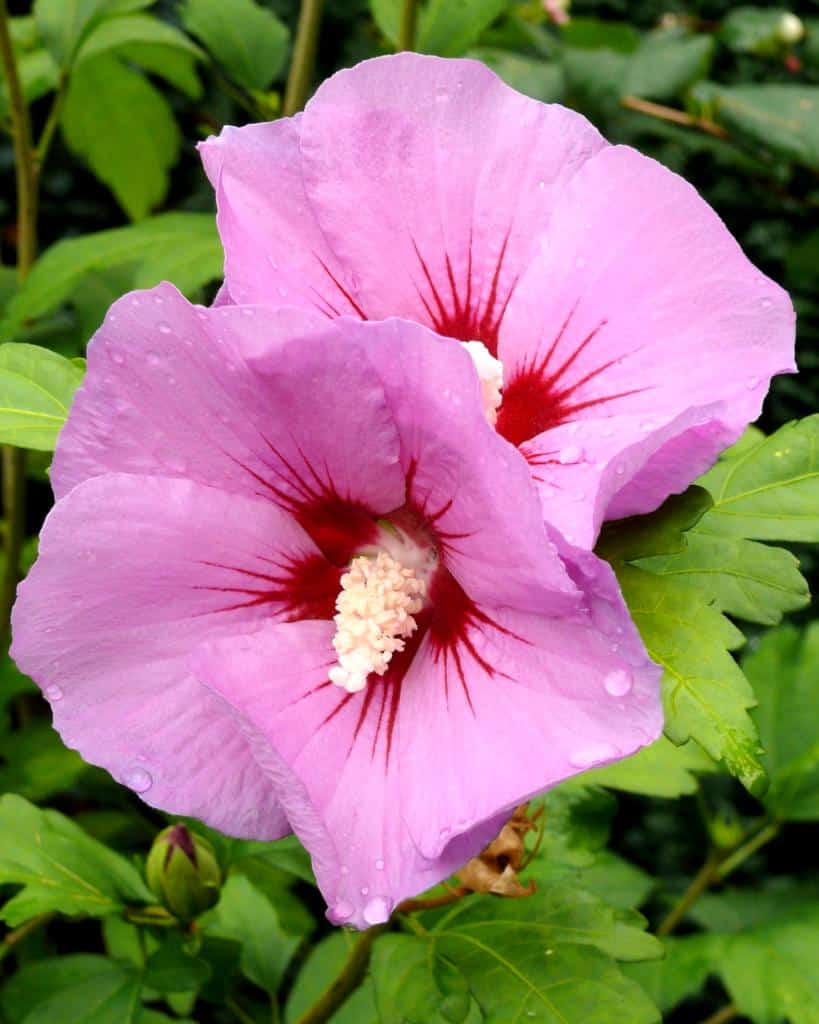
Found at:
<point>490,374</point>
<point>376,608</point>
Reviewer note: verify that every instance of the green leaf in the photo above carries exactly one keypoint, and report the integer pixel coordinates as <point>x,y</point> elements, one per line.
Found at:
<point>659,533</point>
<point>769,965</point>
<point>38,76</point>
<point>117,122</point>
<point>36,388</point>
<point>320,969</point>
<point>117,33</point>
<point>414,986</point>
<point>248,42</point>
<point>515,978</point>
<point>768,489</point>
<point>60,867</point>
<point>558,914</point>
<point>37,763</point>
<point>447,28</point>
<point>680,973</point>
<point>660,769</point>
<point>77,989</point>
<point>596,34</point>
<point>577,822</point>
<point>666,64</point>
<point>705,695</point>
<point>783,672</point>
<point>64,24</point>
<point>179,247</point>
<point>782,118</point>
<point>742,578</point>
<point>243,913</point>
<point>172,969</point>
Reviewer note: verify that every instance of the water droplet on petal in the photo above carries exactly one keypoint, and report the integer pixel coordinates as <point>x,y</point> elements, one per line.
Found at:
<point>152,358</point>
<point>53,693</point>
<point>620,469</point>
<point>283,292</point>
<point>379,865</point>
<point>164,328</point>
<point>364,890</point>
<point>118,358</point>
<point>570,454</point>
<point>445,833</point>
<point>138,780</point>
<point>751,383</point>
<point>248,311</point>
<point>593,754</point>
<point>618,683</point>
<point>766,303</point>
<point>345,870</point>
<point>377,911</point>
<point>342,911</point>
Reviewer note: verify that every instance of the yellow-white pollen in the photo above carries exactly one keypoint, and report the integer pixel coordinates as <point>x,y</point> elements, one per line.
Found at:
<point>378,599</point>
<point>490,374</point>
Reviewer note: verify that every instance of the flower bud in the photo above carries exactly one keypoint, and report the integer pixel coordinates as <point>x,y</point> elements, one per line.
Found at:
<point>791,28</point>
<point>183,872</point>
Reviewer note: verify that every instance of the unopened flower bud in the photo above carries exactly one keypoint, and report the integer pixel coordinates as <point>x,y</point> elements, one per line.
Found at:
<point>791,28</point>
<point>183,872</point>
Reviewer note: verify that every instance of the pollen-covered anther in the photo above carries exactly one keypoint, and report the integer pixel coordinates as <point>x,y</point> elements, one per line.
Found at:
<point>490,374</point>
<point>378,599</point>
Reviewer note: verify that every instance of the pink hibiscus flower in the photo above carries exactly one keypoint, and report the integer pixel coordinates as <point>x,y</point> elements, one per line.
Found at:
<point>284,587</point>
<point>632,338</point>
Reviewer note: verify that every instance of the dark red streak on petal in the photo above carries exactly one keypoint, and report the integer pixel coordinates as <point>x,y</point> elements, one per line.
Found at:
<point>303,589</point>
<point>360,312</point>
<point>538,398</point>
<point>456,315</point>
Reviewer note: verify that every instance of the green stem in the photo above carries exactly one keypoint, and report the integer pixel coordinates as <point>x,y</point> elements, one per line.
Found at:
<point>350,977</point>
<point>719,864</point>
<point>53,119</point>
<point>748,847</point>
<point>704,877</point>
<point>13,459</point>
<point>238,1012</point>
<point>304,56</point>
<point>406,32</point>
<point>10,940</point>
<point>722,1016</point>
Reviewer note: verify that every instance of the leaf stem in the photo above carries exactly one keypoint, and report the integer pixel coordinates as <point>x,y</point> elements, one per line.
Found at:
<point>673,115</point>
<point>347,981</point>
<point>304,56</point>
<point>50,126</point>
<point>238,1012</point>
<point>406,31</point>
<point>10,939</point>
<point>13,459</point>
<point>723,1015</point>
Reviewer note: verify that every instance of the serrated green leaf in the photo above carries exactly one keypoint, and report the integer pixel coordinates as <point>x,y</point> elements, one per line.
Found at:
<point>247,41</point>
<point>60,867</point>
<point>680,973</point>
<point>705,695</point>
<point>660,533</point>
<point>660,769</point>
<point>768,489</point>
<point>743,578</point>
<point>244,914</point>
<point>76,989</point>
<point>36,389</point>
<point>37,763</point>
<point>180,247</point>
<point>320,969</point>
<point>577,820</point>
<point>64,24</point>
<point>783,672</point>
<point>123,128</point>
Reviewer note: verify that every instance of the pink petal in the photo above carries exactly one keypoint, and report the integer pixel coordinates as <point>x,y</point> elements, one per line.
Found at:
<point>407,162</point>
<point>229,397</point>
<point>472,487</point>
<point>275,251</point>
<point>389,808</point>
<point>133,573</point>
<point>641,305</point>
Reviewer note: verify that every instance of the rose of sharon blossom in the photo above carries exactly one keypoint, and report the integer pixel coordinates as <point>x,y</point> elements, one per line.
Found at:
<point>632,338</point>
<point>284,587</point>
